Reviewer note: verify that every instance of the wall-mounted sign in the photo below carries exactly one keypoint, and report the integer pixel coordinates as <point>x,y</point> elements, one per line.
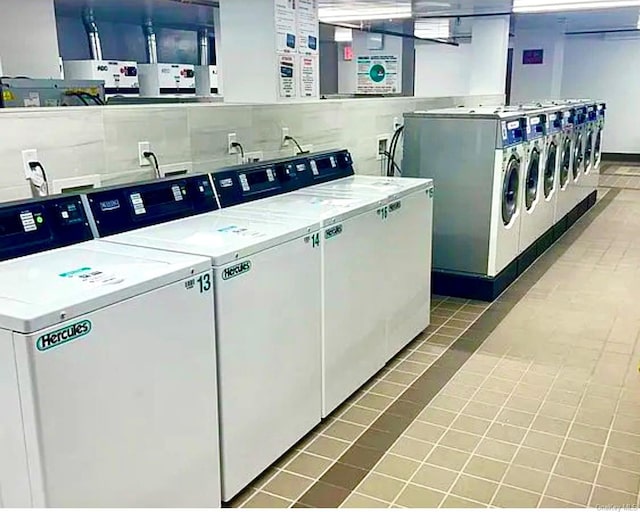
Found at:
<point>377,74</point>
<point>348,53</point>
<point>532,57</point>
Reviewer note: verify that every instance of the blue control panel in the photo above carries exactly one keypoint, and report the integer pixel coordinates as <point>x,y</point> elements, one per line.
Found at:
<point>328,166</point>
<point>592,113</point>
<point>601,110</point>
<point>250,182</point>
<point>514,131</point>
<point>120,209</point>
<point>568,118</point>
<point>580,116</point>
<point>554,122</point>
<point>39,225</point>
<point>537,126</point>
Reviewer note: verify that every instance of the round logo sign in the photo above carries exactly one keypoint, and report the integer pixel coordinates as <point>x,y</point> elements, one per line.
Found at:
<point>377,73</point>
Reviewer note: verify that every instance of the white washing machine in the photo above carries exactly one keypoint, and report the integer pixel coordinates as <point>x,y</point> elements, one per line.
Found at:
<point>408,222</point>
<point>476,158</point>
<point>108,396</point>
<point>266,285</point>
<point>598,135</point>
<point>353,241</point>
<point>578,177</point>
<point>565,173</point>
<point>591,170</point>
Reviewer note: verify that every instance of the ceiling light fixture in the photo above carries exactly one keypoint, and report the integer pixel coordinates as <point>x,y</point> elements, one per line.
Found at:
<point>331,15</point>
<point>343,35</point>
<point>524,6</point>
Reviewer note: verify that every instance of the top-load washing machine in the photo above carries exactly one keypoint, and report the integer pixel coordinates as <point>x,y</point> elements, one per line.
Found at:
<point>476,157</point>
<point>266,289</point>
<point>107,365</point>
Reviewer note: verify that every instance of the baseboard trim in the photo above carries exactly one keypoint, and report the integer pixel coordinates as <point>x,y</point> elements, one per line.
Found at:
<point>621,157</point>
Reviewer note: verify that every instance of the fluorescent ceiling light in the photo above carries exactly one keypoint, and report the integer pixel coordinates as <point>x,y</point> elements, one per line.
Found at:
<point>332,14</point>
<point>343,35</point>
<point>570,5</point>
<point>432,29</point>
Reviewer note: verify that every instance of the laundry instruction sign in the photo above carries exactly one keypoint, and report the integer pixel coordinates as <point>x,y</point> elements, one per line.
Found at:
<point>377,74</point>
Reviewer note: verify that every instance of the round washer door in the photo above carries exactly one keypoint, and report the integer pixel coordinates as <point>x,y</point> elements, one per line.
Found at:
<point>578,157</point>
<point>588,152</point>
<point>550,169</point>
<point>533,178</point>
<point>566,162</point>
<point>597,147</point>
<point>510,188</point>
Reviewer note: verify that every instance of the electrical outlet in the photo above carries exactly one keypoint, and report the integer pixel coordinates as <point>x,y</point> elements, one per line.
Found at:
<point>285,134</point>
<point>396,124</point>
<point>382,146</point>
<point>231,138</point>
<point>28,156</point>
<point>254,156</point>
<point>143,147</point>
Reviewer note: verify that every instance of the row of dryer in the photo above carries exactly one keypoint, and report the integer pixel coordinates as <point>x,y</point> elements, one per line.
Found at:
<point>511,181</point>
<point>164,343</point>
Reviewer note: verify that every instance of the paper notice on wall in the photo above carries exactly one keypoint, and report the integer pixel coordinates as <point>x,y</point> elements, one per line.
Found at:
<point>309,85</point>
<point>287,76</point>
<point>308,26</point>
<point>377,74</point>
<point>285,15</point>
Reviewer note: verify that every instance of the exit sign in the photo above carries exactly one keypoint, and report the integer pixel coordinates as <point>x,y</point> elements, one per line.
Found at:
<point>532,57</point>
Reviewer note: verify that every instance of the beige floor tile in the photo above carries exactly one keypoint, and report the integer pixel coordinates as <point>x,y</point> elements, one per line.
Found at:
<point>481,410</point>
<point>559,411</point>
<point>625,441</point>
<point>360,415</point>
<point>498,450</point>
<point>508,497</point>
<point>515,418</point>
<point>455,502</point>
<point>398,377</point>
<point>344,431</point>
<point>470,425</point>
<point>544,442</point>
<point>373,401</point>
<point>588,433</point>
<point>460,440</point>
<point>411,448</point>
<point>360,501</point>
<point>437,416</point>
<point>380,487</point>
<point>619,480</point>
<point>488,396</point>
<point>576,469</point>
<point>288,486</point>
<point>534,459</point>
<point>474,489</point>
<point>424,432</point>
<point>448,458</point>
<point>525,404</point>
<point>569,490</point>
<point>418,497</point>
<point>486,468</point>
<point>262,500</point>
<point>309,465</point>
<point>526,478</point>
<point>582,450</point>
<point>548,502</point>
<point>397,467</point>
<point>435,477</point>
<point>327,447</point>
<point>620,459</point>
<point>449,403</point>
<point>553,426</point>
<point>609,498</point>
<point>507,433</point>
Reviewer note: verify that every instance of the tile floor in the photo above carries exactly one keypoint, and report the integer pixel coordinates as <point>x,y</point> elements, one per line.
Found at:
<point>531,401</point>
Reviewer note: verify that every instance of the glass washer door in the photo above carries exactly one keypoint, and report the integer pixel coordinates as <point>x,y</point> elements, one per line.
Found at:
<point>532,179</point>
<point>510,188</point>
<point>550,169</point>
<point>597,147</point>
<point>588,151</point>
<point>578,157</point>
<point>566,162</point>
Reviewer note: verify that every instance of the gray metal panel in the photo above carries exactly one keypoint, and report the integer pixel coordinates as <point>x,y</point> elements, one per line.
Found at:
<point>459,155</point>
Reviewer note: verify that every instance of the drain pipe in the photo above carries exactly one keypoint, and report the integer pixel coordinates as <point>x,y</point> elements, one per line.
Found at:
<point>150,38</point>
<point>89,20</point>
<point>203,72</point>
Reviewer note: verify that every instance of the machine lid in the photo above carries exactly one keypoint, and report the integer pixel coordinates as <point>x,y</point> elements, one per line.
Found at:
<point>38,225</point>
<point>391,188</point>
<point>128,207</point>
<point>249,182</point>
<point>492,112</point>
<point>320,207</point>
<point>222,237</point>
<point>38,289</point>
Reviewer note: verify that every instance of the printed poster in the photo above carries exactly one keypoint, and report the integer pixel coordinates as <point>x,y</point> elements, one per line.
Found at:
<point>377,74</point>
<point>308,26</point>
<point>309,84</point>
<point>285,11</point>
<point>287,76</point>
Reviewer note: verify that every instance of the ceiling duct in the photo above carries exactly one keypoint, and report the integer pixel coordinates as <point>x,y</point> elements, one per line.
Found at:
<point>91,27</point>
<point>150,41</point>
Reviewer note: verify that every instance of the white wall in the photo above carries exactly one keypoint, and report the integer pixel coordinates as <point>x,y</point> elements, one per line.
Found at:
<point>537,81</point>
<point>488,63</point>
<point>28,39</point>
<point>348,70</point>
<point>442,70</point>
<point>607,69</point>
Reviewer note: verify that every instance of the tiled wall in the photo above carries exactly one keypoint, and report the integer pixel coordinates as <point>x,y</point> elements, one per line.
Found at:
<point>76,142</point>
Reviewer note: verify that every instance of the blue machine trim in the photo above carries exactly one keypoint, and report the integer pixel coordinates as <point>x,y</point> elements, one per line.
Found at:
<point>328,166</point>
<point>30,227</point>
<point>125,208</point>
<point>514,131</point>
<point>580,116</point>
<point>554,122</point>
<point>250,182</point>
<point>537,127</point>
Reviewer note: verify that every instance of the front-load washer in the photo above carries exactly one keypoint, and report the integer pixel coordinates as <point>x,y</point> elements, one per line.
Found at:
<point>565,197</point>
<point>352,241</point>
<point>108,368</point>
<point>591,172</point>
<point>476,158</point>
<point>266,289</point>
<point>598,135</point>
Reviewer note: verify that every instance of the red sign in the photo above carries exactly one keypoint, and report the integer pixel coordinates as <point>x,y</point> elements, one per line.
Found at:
<point>348,53</point>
